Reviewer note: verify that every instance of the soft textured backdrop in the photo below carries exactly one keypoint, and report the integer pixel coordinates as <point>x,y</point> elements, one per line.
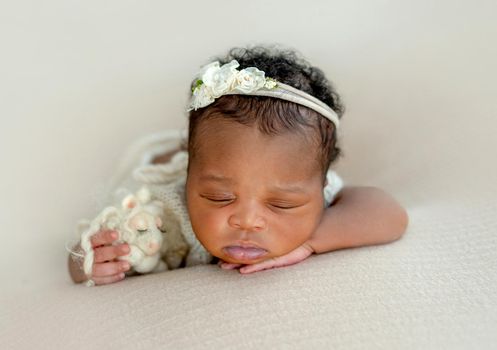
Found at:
<point>79,80</point>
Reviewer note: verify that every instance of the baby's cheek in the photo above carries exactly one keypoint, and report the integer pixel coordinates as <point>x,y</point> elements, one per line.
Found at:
<point>213,221</point>
<point>292,233</point>
<point>208,227</point>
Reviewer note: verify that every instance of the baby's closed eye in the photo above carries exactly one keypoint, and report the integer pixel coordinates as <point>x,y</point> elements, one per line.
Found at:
<point>285,206</point>
<point>279,204</point>
<point>218,198</point>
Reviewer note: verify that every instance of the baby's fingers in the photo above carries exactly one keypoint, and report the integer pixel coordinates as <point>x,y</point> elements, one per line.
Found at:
<point>227,266</point>
<point>109,268</point>
<point>108,253</point>
<point>103,237</point>
<point>108,279</point>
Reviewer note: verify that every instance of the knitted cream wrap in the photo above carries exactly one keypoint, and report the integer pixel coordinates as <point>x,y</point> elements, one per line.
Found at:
<point>167,183</point>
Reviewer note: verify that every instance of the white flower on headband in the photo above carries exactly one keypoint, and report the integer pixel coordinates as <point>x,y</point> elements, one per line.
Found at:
<point>214,81</point>
<point>250,79</point>
<point>220,79</point>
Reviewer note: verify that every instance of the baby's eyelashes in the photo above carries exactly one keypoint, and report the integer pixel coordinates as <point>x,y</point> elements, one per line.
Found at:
<point>284,207</point>
<point>218,200</point>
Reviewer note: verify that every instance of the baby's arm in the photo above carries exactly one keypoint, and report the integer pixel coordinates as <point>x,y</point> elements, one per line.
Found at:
<point>360,216</point>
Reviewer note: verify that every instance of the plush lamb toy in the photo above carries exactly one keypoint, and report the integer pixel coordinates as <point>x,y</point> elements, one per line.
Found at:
<point>140,222</point>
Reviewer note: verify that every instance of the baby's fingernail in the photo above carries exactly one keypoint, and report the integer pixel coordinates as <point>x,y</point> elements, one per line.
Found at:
<point>125,265</point>
<point>113,235</point>
<point>124,248</point>
<point>121,275</point>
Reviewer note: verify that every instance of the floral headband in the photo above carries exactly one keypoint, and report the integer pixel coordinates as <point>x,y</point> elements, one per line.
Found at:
<point>214,81</point>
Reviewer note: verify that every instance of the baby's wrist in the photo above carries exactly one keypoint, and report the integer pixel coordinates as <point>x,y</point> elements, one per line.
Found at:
<point>309,246</point>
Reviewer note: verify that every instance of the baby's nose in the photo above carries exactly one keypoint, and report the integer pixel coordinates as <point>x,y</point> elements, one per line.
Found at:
<point>247,222</point>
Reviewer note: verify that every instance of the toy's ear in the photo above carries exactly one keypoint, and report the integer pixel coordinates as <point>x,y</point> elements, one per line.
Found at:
<point>129,202</point>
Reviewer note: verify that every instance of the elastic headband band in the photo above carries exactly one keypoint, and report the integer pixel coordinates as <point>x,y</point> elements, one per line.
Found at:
<point>289,93</point>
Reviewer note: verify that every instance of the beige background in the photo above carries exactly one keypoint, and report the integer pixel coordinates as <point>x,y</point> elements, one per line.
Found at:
<point>79,80</point>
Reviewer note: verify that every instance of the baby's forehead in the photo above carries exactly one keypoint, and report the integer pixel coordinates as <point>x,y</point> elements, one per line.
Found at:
<point>225,144</point>
<point>216,131</point>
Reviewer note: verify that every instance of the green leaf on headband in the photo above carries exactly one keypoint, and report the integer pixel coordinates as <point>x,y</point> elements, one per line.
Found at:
<point>197,84</point>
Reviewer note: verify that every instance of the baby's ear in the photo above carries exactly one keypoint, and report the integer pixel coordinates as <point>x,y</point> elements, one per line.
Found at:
<point>129,202</point>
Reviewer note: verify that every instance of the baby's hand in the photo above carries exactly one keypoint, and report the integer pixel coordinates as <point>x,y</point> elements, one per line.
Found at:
<point>106,268</point>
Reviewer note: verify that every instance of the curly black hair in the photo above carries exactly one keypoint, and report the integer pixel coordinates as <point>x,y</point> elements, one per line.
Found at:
<point>273,115</point>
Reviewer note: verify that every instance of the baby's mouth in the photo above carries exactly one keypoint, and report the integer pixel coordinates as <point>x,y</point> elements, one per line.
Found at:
<point>244,253</point>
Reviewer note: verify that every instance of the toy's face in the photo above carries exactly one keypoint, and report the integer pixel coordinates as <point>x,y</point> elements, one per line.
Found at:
<point>246,187</point>
<point>146,232</point>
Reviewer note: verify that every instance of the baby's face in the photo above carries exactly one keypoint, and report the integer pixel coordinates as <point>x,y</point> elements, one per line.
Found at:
<point>247,187</point>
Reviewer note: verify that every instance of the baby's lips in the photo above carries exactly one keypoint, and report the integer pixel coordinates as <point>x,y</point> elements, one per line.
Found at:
<point>240,253</point>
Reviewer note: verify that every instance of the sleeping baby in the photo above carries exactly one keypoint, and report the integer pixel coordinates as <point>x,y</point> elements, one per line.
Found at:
<point>249,186</point>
